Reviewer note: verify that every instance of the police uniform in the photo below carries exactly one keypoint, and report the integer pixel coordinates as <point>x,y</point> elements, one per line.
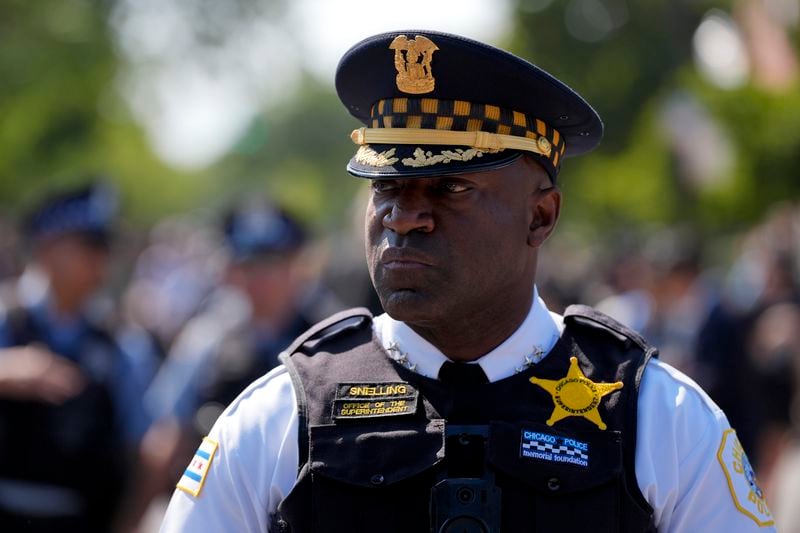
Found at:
<point>62,466</point>
<point>571,424</point>
<point>222,350</point>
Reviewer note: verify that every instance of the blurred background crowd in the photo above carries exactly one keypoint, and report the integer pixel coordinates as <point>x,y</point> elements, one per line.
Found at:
<point>174,209</point>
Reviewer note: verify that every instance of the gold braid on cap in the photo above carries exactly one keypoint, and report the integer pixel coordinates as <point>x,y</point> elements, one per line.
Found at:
<point>484,127</point>
<point>481,140</point>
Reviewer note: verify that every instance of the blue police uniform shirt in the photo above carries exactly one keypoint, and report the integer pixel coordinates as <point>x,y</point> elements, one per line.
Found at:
<point>123,371</point>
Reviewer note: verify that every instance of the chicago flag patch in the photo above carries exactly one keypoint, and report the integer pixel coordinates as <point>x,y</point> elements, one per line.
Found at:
<point>194,476</point>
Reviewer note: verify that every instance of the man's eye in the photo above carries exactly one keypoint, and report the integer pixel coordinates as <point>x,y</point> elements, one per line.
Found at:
<point>454,187</point>
<point>379,186</point>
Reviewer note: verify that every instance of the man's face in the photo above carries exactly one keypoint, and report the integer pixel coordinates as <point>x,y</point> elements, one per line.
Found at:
<point>443,248</point>
<point>269,282</point>
<point>75,264</point>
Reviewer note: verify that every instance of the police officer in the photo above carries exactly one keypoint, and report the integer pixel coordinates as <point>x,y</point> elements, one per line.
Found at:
<point>61,439</point>
<point>245,323</point>
<point>468,406</point>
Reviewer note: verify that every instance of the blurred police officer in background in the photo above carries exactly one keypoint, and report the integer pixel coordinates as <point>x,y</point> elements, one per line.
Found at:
<point>243,326</point>
<point>265,245</point>
<point>63,443</point>
<point>468,406</point>
<point>265,300</point>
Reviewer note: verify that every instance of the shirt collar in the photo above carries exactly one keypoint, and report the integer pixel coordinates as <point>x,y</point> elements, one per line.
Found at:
<point>530,343</point>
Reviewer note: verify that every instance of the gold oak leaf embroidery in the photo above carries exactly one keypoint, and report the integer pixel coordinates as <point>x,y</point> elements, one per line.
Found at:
<point>367,156</point>
<point>425,159</point>
<point>576,395</point>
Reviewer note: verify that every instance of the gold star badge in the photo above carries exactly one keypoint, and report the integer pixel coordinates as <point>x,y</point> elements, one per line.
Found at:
<point>576,395</point>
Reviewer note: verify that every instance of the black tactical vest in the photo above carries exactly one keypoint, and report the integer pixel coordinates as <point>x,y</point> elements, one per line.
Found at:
<point>385,449</point>
<point>74,446</point>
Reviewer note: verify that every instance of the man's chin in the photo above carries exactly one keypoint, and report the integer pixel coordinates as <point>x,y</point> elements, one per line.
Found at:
<point>410,306</point>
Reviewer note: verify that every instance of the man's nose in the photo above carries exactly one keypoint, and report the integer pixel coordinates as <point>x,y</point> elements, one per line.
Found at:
<point>409,213</point>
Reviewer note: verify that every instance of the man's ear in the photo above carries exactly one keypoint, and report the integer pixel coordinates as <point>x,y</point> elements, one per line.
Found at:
<point>545,207</point>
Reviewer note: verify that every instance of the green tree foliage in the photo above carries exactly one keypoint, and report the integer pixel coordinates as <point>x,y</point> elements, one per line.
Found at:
<point>628,71</point>
<point>765,128</point>
<point>55,68</point>
<point>63,118</point>
<point>297,153</point>
<point>62,121</point>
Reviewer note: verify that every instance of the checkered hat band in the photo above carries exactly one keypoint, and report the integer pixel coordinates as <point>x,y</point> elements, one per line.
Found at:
<point>460,115</point>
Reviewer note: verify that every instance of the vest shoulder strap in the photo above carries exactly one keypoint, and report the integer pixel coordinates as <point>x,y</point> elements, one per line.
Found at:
<point>307,343</point>
<point>329,328</point>
<point>589,316</point>
<point>582,316</point>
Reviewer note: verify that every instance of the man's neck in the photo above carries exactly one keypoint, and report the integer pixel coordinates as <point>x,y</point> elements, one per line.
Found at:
<point>470,337</point>
<point>64,305</point>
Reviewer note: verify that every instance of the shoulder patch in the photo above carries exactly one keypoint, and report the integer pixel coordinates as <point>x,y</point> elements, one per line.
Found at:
<point>195,474</point>
<point>747,496</point>
<point>330,327</point>
<point>584,313</point>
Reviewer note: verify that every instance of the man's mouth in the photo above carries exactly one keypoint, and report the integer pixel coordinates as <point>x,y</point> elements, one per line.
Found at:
<point>396,258</point>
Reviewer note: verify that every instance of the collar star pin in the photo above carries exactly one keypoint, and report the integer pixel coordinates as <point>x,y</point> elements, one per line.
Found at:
<point>399,356</point>
<point>538,353</point>
<point>529,360</point>
<point>576,395</point>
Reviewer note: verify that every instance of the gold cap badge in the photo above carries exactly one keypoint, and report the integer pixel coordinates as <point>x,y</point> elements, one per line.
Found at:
<point>576,395</point>
<point>412,59</point>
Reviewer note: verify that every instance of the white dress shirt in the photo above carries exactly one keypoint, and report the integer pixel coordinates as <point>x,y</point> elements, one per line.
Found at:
<point>679,432</point>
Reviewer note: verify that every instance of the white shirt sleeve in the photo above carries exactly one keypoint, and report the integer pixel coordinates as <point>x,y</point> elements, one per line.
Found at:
<point>679,462</point>
<point>253,467</point>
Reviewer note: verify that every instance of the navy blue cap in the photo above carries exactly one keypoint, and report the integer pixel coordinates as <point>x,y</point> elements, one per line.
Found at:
<point>89,212</point>
<point>259,229</point>
<point>434,104</point>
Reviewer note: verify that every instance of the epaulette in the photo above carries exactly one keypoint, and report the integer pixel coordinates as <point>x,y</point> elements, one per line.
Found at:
<point>333,326</point>
<point>591,317</point>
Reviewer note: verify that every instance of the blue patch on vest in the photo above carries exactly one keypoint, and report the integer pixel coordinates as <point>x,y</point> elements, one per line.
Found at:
<point>554,448</point>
